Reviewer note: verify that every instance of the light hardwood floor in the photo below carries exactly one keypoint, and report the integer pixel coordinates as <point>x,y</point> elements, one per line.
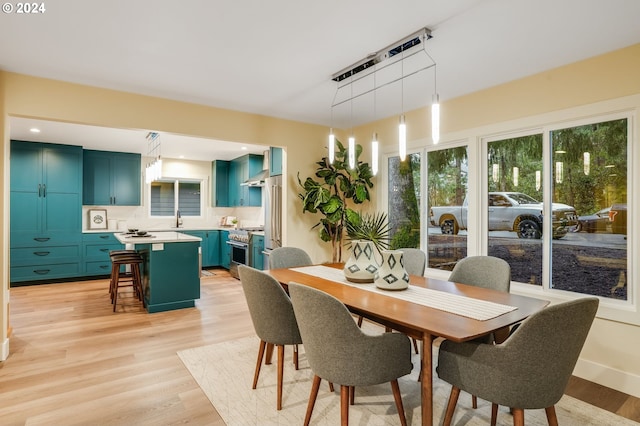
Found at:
<point>75,362</point>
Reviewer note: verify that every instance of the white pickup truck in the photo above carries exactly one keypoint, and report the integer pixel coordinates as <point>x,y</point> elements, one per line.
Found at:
<point>508,211</point>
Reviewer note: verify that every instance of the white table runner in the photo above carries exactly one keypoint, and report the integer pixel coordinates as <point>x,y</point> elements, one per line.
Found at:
<point>469,307</point>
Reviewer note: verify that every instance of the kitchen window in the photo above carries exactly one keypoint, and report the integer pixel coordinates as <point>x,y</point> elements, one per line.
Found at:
<point>168,196</point>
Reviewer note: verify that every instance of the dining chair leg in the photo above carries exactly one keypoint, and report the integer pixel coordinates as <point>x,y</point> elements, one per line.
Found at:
<point>552,419</point>
<point>360,318</point>
<point>312,399</point>
<point>415,345</point>
<point>451,406</point>
<point>280,374</point>
<point>269,355</point>
<point>258,363</point>
<point>295,356</point>
<point>518,417</point>
<point>474,401</point>
<point>344,405</point>
<point>494,414</point>
<point>331,389</point>
<point>352,395</point>
<point>398,398</point>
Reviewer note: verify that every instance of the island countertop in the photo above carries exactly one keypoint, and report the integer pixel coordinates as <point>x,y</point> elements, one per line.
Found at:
<point>156,237</point>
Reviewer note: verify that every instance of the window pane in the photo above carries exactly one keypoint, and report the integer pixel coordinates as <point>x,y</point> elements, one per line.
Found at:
<point>404,201</point>
<point>447,174</point>
<point>162,199</point>
<point>189,198</point>
<point>514,205</point>
<point>590,173</point>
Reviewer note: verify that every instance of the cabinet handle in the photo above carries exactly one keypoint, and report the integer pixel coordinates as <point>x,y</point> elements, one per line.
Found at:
<point>42,271</point>
<point>104,237</point>
<point>42,239</point>
<point>104,250</point>
<point>41,253</point>
<point>44,190</point>
<point>105,267</point>
<point>39,190</point>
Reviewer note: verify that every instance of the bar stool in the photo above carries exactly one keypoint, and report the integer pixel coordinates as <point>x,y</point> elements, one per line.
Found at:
<point>132,279</point>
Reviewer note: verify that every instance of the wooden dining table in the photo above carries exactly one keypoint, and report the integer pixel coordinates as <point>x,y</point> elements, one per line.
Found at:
<point>421,322</point>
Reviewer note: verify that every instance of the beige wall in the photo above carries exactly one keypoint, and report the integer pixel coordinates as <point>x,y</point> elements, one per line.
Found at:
<point>605,359</point>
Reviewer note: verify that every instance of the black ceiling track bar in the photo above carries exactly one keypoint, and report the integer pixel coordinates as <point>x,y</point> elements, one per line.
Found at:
<point>400,46</point>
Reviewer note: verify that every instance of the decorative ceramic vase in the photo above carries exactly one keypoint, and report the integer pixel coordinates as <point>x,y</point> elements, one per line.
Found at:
<point>391,274</point>
<point>361,266</point>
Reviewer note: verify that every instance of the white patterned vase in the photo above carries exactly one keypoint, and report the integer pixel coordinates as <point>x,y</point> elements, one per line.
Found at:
<point>361,266</point>
<point>391,274</point>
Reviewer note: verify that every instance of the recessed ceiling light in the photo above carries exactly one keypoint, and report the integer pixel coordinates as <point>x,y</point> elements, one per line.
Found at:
<point>34,130</point>
<point>244,148</point>
<point>182,156</point>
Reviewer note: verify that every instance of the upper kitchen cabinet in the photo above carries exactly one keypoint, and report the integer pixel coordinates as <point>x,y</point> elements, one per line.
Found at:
<point>220,184</point>
<point>275,161</point>
<point>111,178</point>
<point>240,170</point>
<point>46,185</point>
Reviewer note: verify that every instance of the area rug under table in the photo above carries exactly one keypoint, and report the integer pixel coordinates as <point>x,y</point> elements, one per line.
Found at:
<point>225,371</point>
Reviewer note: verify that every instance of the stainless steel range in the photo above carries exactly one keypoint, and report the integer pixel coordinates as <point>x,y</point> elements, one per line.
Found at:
<point>240,241</point>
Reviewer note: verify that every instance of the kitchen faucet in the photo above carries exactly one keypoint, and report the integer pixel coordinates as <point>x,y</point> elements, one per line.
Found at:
<point>178,219</point>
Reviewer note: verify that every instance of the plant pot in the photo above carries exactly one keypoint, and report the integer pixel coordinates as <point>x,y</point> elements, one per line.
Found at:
<point>361,266</point>
<point>391,274</point>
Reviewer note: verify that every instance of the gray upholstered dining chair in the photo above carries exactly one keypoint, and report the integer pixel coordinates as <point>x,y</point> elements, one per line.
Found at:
<point>288,257</point>
<point>486,272</point>
<point>530,370</point>
<point>483,271</point>
<point>415,261</point>
<point>273,319</point>
<point>340,352</point>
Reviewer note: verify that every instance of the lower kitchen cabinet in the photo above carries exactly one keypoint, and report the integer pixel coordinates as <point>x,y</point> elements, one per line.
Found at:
<point>95,251</point>
<point>225,249</point>
<point>257,247</point>
<point>214,255</point>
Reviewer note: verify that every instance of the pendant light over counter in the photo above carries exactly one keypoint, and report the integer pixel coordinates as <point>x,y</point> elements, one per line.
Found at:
<point>372,64</point>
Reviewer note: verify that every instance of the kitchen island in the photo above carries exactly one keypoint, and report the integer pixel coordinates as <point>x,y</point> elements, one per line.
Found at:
<point>170,272</point>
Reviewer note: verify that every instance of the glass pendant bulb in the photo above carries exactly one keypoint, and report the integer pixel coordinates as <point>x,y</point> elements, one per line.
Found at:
<point>374,154</point>
<point>402,138</point>
<point>435,119</point>
<point>352,152</point>
<point>332,146</point>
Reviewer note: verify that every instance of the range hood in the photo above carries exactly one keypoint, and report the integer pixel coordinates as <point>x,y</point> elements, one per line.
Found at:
<point>259,178</point>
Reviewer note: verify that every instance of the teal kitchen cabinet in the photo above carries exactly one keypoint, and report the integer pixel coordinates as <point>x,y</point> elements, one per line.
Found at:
<point>220,184</point>
<point>275,161</point>
<point>204,247</point>
<point>225,249</point>
<point>46,209</point>
<point>95,251</point>
<point>240,170</point>
<point>209,246</point>
<point>214,256</point>
<point>257,247</point>
<point>111,178</point>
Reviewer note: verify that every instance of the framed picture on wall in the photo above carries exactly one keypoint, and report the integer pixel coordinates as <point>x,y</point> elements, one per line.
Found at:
<point>97,219</point>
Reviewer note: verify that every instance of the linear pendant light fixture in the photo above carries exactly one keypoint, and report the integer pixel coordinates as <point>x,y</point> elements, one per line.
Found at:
<point>373,64</point>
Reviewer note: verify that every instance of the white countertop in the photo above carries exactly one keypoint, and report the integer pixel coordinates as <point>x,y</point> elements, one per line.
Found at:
<point>168,229</point>
<point>157,237</point>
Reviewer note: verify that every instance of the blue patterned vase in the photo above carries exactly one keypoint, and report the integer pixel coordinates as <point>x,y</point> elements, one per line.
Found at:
<point>391,274</point>
<point>361,266</point>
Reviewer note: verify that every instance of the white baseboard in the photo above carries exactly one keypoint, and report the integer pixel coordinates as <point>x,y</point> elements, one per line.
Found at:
<point>610,377</point>
<point>5,350</point>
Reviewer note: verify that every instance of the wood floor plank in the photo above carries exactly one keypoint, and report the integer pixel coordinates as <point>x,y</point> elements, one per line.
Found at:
<point>75,362</point>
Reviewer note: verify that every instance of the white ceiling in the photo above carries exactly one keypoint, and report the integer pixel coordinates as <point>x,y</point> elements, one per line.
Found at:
<point>277,57</point>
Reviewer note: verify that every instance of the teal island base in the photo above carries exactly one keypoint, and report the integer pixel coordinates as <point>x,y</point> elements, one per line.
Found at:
<point>170,275</point>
